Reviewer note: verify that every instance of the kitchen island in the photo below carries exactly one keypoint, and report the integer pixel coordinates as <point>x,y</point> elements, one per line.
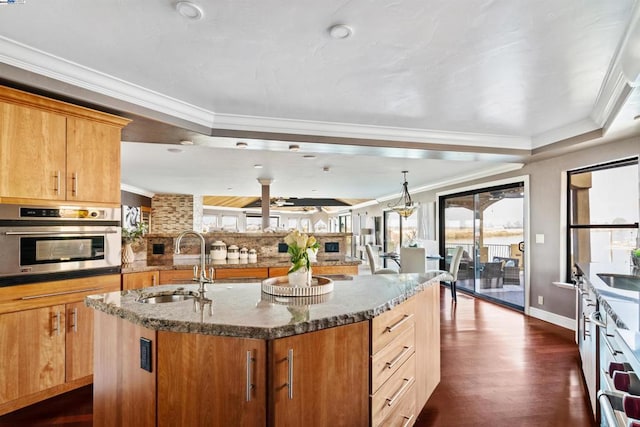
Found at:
<point>368,353</point>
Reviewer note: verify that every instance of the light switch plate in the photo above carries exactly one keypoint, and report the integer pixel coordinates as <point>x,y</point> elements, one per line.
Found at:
<point>539,238</point>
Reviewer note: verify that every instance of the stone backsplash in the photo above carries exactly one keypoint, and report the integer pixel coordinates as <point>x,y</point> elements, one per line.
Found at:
<point>160,247</point>
<point>171,213</point>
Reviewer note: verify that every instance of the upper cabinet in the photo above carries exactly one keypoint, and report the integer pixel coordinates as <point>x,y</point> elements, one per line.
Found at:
<point>54,151</point>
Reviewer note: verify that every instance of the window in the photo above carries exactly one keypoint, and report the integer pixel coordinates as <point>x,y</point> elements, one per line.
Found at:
<point>229,223</point>
<point>254,222</point>
<point>602,213</point>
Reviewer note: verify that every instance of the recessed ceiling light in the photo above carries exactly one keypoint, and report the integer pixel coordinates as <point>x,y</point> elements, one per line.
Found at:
<point>308,156</point>
<point>241,144</point>
<point>294,147</point>
<point>186,142</point>
<point>257,166</point>
<point>314,191</point>
<point>229,188</point>
<point>174,150</point>
<point>189,10</point>
<point>326,169</point>
<point>340,31</point>
<point>636,117</point>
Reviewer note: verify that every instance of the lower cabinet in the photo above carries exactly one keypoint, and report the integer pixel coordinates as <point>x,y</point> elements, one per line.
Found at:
<point>320,378</point>
<point>173,277</point>
<point>32,354</point>
<point>47,339</point>
<point>223,383</point>
<point>141,279</point>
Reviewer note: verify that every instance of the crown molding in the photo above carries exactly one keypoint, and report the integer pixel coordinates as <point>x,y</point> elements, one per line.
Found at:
<point>565,132</point>
<point>357,131</point>
<point>623,74</point>
<point>136,190</point>
<point>42,63</point>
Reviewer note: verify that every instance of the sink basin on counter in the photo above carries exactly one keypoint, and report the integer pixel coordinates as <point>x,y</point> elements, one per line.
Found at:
<point>621,281</point>
<point>165,298</point>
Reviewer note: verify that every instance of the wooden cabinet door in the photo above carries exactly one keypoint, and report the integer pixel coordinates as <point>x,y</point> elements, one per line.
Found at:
<point>427,343</point>
<point>242,273</point>
<point>124,394</point>
<point>174,277</point>
<point>141,279</point>
<point>32,153</point>
<point>93,161</point>
<point>211,380</point>
<point>32,351</point>
<point>79,343</point>
<point>320,378</point>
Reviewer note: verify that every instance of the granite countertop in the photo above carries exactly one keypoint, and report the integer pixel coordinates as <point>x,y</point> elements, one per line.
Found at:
<point>187,263</point>
<point>623,306</point>
<point>243,310</point>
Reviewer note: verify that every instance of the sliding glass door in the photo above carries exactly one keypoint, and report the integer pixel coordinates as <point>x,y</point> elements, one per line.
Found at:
<point>489,225</point>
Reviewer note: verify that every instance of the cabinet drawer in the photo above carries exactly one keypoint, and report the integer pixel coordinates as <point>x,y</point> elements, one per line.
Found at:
<point>404,413</point>
<point>394,392</point>
<point>242,273</point>
<point>172,277</point>
<point>389,359</point>
<point>391,324</point>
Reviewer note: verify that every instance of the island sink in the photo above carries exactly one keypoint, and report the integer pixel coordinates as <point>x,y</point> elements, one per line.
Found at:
<point>621,281</point>
<point>164,299</point>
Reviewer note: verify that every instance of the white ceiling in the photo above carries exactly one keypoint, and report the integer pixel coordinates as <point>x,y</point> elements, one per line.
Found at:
<point>443,83</point>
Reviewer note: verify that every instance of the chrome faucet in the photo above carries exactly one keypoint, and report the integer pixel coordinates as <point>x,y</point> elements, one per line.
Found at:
<point>202,278</point>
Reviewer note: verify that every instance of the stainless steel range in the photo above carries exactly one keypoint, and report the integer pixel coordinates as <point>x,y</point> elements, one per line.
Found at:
<point>46,243</point>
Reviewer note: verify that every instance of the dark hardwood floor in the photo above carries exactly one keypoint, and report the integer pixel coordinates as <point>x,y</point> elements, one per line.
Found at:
<point>499,368</point>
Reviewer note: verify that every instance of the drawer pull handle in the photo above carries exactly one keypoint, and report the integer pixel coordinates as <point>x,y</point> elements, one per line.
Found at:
<point>399,322</point>
<point>55,294</point>
<point>407,421</point>
<point>406,349</point>
<point>74,320</point>
<point>399,393</point>
<point>56,324</point>
<point>249,384</point>
<point>595,318</point>
<point>290,373</point>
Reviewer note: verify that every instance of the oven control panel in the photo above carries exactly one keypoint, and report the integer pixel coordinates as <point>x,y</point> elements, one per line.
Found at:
<point>64,213</point>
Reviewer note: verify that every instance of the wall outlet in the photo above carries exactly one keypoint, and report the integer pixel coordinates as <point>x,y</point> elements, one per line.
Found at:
<point>539,238</point>
<point>540,300</point>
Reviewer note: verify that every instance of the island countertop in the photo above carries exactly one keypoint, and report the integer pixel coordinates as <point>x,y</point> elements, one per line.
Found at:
<point>243,310</point>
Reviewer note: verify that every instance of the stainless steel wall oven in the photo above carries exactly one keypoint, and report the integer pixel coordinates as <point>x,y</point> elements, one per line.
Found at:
<point>51,243</point>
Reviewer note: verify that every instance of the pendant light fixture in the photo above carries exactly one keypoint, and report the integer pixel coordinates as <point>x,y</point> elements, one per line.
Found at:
<point>404,206</point>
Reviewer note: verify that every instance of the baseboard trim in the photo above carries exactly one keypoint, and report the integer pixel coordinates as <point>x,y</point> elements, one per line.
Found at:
<point>556,319</point>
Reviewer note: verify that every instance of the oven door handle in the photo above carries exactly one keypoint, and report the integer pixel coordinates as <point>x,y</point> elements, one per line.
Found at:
<point>45,233</point>
<point>607,408</point>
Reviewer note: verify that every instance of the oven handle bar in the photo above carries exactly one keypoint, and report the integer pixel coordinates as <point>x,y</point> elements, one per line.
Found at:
<point>69,233</point>
<point>607,409</point>
<point>55,294</point>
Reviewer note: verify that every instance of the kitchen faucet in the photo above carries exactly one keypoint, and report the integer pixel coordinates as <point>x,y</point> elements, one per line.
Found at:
<point>202,279</point>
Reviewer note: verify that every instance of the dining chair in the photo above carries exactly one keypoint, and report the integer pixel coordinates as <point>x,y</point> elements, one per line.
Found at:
<point>372,263</point>
<point>451,276</point>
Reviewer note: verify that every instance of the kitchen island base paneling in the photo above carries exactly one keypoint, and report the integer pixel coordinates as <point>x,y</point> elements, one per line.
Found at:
<point>265,364</point>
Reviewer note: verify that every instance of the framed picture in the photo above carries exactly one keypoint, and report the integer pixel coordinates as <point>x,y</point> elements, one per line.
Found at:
<point>131,217</point>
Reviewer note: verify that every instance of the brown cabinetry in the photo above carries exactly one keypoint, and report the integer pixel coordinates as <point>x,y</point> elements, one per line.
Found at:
<point>50,150</point>
<point>32,352</point>
<point>393,366</point>
<point>320,377</point>
<point>242,273</point>
<point>231,369</point>
<point>140,279</point>
<point>173,277</point>
<point>47,338</point>
<point>318,270</point>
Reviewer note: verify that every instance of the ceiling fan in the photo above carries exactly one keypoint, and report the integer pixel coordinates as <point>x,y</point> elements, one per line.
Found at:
<point>280,202</point>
